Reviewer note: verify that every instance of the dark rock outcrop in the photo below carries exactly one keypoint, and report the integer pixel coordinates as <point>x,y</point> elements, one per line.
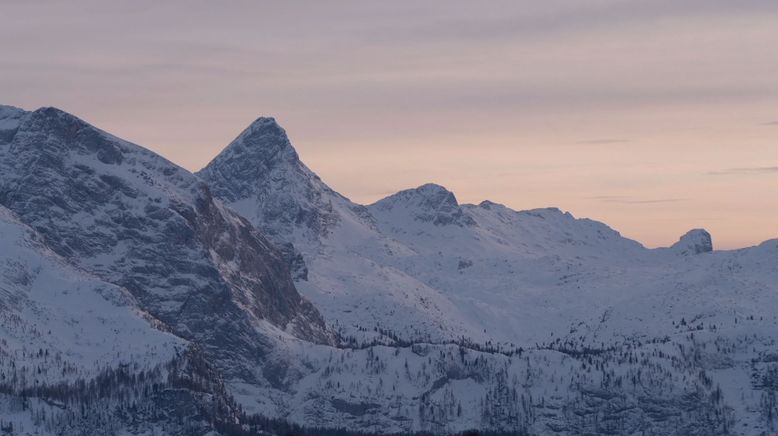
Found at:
<point>695,241</point>
<point>134,219</point>
<point>428,203</point>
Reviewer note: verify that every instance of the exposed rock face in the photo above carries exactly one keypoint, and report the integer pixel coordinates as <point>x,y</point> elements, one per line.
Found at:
<point>418,269</point>
<point>259,150</point>
<point>9,122</point>
<point>262,167</point>
<point>428,203</point>
<point>136,220</point>
<point>77,332</point>
<point>454,316</point>
<point>695,241</point>
<point>46,303</point>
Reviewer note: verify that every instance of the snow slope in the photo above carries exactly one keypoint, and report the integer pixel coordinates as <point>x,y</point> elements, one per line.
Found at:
<point>135,220</point>
<point>418,267</point>
<point>80,322</point>
<point>261,176</point>
<point>419,264</point>
<point>439,316</point>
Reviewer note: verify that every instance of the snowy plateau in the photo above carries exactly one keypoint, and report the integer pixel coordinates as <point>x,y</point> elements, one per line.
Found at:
<point>137,298</point>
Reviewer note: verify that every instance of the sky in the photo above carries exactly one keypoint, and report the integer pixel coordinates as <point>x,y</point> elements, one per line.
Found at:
<point>654,117</point>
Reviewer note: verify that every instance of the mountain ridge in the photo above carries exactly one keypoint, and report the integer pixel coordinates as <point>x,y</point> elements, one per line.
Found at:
<point>284,300</point>
<point>94,179</point>
<point>385,236</point>
<point>418,267</point>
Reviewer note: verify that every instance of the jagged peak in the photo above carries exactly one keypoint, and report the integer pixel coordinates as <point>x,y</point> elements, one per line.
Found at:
<point>550,212</point>
<point>265,121</point>
<point>429,203</point>
<point>428,195</point>
<point>542,212</point>
<point>53,117</point>
<point>263,142</point>
<point>489,204</point>
<point>54,131</point>
<point>264,126</point>
<point>694,241</point>
<point>55,113</point>
<point>53,110</point>
<point>10,118</point>
<point>258,157</point>
<point>7,111</point>
<point>430,188</point>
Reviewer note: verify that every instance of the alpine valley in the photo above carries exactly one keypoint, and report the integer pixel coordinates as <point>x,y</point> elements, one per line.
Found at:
<point>137,298</point>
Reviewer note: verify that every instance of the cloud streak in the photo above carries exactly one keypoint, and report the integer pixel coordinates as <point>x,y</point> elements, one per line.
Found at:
<point>744,171</point>
<point>630,200</point>
<point>604,141</point>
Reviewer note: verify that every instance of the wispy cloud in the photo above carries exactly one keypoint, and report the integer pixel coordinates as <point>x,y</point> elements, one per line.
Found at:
<point>604,141</point>
<point>771,123</point>
<point>631,200</point>
<point>744,171</point>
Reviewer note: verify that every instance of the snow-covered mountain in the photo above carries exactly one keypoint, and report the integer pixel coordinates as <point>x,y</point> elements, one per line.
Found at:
<point>151,230</point>
<point>80,321</point>
<point>418,267</point>
<point>260,176</point>
<point>135,219</point>
<point>138,298</point>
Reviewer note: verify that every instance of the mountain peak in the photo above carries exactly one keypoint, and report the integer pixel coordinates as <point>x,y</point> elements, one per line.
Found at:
<point>262,144</point>
<point>432,188</point>
<point>10,118</point>
<point>262,148</point>
<point>427,203</point>
<point>8,111</point>
<point>53,114</point>
<point>426,196</point>
<point>54,133</point>
<point>695,241</point>
<point>262,165</point>
<point>265,132</point>
<point>265,123</point>
<point>488,205</point>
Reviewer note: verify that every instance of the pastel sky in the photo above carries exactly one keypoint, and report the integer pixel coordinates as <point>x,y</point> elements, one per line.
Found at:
<point>652,116</point>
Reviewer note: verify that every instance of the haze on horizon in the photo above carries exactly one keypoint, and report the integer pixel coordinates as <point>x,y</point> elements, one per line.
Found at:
<point>654,117</point>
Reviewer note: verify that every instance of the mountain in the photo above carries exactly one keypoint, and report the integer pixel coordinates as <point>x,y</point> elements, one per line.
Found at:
<point>428,203</point>
<point>695,241</point>
<point>79,356</point>
<point>261,165</point>
<point>418,252</point>
<point>135,219</point>
<point>137,298</point>
<point>417,268</point>
<point>79,320</point>
<point>260,175</point>
<point>138,223</point>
